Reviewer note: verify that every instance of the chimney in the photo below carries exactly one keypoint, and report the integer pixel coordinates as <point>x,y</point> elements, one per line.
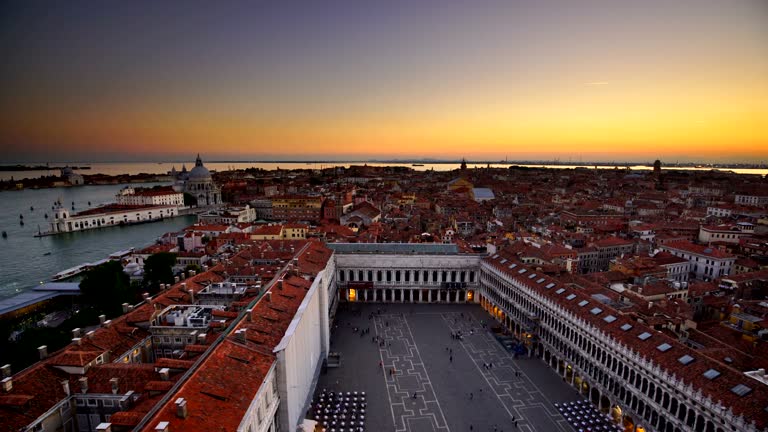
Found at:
<point>90,334</point>
<point>107,323</point>
<point>77,341</point>
<point>65,386</point>
<point>192,273</point>
<point>6,370</point>
<point>163,426</point>
<point>76,332</point>
<point>115,385</point>
<point>241,335</point>
<point>164,372</point>
<point>83,384</point>
<point>125,307</point>
<point>104,427</point>
<point>201,338</point>
<point>145,296</point>
<point>175,279</point>
<point>249,314</point>
<point>43,351</point>
<point>183,286</point>
<point>181,408</point>
<point>191,296</point>
<point>269,296</point>
<point>162,286</point>
<point>280,284</point>
<point>7,384</point>
<point>205,268</point>
<point>102,318</point>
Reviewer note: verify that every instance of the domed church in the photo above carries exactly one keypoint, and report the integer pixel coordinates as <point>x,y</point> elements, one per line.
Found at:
<point>199,183</point>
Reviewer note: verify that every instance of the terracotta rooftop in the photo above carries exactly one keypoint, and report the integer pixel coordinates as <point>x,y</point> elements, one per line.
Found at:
<point>594,312</point>
<point>697,249</point>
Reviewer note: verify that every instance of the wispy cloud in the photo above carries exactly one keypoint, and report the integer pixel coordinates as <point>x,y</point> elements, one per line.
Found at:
<point>597,83</point>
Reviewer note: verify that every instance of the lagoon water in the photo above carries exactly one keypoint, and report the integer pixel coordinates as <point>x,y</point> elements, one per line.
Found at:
<point>23,259</point>
<point>115,168</point>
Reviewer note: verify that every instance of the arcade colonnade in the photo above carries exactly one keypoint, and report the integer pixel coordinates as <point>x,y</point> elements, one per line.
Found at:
<point>407,278</point>
<point>637,392</point>
<point>638,395</point>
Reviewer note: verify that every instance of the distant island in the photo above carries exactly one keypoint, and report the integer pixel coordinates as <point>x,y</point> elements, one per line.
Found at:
<point>20,167</point>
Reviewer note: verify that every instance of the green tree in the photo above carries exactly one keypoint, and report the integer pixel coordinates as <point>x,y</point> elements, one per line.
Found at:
<point>158,268</point>
<point>106,287</point>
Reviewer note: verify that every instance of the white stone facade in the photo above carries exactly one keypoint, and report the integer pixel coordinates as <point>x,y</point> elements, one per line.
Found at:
<point>262,412</point>
<point>131,196</point>
<point>608,372</point>
<point>64,222</point>
<point>301,352</point>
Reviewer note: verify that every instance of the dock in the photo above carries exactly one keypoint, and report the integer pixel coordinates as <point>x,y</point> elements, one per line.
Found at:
<point>37,295</point>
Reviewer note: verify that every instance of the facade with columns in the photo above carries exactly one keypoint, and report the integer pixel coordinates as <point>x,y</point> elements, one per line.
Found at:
<point>645,380</point>
<point>391,273</point>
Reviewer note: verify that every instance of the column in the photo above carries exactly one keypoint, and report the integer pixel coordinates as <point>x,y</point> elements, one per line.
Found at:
<point>419,294</point>
<point>430,296</point>
<point>365,295</point>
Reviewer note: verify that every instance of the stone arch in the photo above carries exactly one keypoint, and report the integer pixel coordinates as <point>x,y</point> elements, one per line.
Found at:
<point>605,404</point>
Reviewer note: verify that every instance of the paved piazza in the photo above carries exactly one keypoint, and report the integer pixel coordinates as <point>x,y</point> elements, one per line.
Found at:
<point>417,347</point>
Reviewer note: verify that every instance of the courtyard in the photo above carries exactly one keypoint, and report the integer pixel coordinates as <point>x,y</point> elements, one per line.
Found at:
<point>395,351</point>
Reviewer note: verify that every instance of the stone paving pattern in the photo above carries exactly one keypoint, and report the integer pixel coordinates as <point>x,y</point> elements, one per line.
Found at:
<point>417,344</point>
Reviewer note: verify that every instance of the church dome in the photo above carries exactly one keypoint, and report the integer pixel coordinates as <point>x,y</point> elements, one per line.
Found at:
<point>199,172</point>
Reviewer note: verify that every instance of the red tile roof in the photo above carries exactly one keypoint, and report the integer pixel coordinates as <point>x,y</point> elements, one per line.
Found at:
<point>40,386</point>
<point>751,407</point>
<point>698,249</point>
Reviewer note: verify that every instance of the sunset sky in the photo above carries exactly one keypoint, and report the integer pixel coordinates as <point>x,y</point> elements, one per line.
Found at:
<point>332,79</point>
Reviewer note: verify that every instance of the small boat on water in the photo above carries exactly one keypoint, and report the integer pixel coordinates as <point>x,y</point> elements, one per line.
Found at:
<point>5,234</point>
<point>21,216</point>
<point>21,222</point>
<point>46,215</point>
<point>31,208</point>
<point>46,254</point>
<point>417,164</point>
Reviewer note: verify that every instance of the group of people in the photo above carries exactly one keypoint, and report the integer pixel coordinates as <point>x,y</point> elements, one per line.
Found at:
<point>340,412</point>
<point>584,417</point>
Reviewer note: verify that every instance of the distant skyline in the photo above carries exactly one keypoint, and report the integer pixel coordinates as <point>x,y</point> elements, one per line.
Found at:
<point>591,80</point>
